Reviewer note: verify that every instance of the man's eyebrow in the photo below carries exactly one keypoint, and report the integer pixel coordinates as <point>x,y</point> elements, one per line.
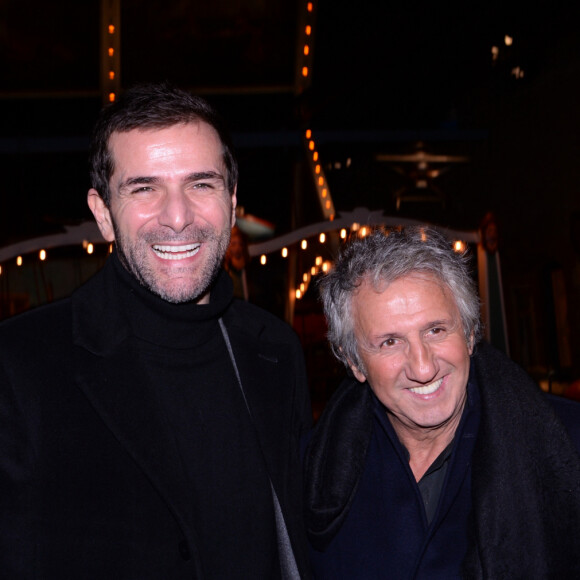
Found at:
<point>199,175</point>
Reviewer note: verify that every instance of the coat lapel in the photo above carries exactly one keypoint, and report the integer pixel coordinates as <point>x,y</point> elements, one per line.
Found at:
<point>120,392</point>
<point>111,375</point>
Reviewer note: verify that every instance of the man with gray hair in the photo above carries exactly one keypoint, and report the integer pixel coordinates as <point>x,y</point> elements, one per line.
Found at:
<point>439,457</point>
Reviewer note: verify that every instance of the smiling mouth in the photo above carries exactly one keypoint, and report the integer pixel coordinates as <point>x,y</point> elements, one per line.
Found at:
<point>427,389</point>
<point>176,252</point>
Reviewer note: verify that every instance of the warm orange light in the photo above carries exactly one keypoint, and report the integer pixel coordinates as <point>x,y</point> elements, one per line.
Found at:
<point>111,29</point>
<point>318,260</point>
<point>327,204</point>
<point>306,50</point>
<point>317,169</point>
<point>304,244</point>
<point>308,30</point>
<point>324,192</point>
<point>315,156</point>
<point>90,248</point>
<point>508,40</point>
<point>19,261</point>
<point>304,71</point>
<point>111,51</point>
<point>42,255</point>
<point>298,294</point>
<point>111,75</point>
<point>309,6</point>
<point>325,266</point>
<point>284,252</point>
<point>308,133</point>
<point>305,277</point>
<point>363,232</point>
<point>321,181</point>
<point>343,233</point>
<point>263,259</point>
<point>459,246</point>
<point>312,271</point>
<point>302,288</point>
<point>322,238</point>
<point>111,97</point>
<point>311,145</point>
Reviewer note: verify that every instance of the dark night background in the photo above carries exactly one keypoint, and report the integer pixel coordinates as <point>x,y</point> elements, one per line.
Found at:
<point>387,78</point>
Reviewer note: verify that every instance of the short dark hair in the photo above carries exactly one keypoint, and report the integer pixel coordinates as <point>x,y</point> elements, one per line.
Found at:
<point>383,257</point>
<point>152,106</point>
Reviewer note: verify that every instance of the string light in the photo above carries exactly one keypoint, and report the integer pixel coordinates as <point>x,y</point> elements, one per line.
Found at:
<point>343,234</point>
<point>322,238</point>
<point>90,248</point>
<point>458,246</point>
<point>263,259</point>
<point>42,255</point>
<point>284,252</point>
<point>304,244</point>
<point>19,261</point>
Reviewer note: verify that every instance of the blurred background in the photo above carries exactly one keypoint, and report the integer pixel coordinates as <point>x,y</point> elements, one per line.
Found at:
<point>344,114</point>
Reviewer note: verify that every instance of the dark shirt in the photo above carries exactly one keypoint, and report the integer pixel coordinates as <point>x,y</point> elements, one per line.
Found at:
<point>431,484</point>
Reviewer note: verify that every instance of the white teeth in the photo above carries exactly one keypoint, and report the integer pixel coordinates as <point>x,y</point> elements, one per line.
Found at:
<point>428,389</point>
<point>176,252</point>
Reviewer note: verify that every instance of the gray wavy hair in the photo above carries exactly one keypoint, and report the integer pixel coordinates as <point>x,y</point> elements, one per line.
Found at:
<point>381,258</point>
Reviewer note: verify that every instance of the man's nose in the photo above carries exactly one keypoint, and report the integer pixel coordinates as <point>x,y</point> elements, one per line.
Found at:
<point>422,365</point>
<point>176,211</point>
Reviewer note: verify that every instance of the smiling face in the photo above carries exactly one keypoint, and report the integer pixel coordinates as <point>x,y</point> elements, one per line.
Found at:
<point>170,214</point>
<point>415,355</point>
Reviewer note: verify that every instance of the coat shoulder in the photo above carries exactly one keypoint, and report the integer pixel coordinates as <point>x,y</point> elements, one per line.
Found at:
<point>568,411</point>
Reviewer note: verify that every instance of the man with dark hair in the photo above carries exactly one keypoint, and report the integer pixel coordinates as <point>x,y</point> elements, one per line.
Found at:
<point>149,425</point>
<point>439,458</point>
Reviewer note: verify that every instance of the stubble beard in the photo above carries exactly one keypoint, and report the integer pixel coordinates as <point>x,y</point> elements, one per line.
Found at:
<point>197,280</point>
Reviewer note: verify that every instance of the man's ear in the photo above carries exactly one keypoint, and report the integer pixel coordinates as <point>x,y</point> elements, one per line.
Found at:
<point>471,344</point>
<point>234,204</point>
<point>358,375</point>
<point>102,215</point>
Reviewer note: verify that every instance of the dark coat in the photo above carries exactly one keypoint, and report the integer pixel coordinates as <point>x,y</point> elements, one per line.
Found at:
<point>509,508</point>
<point>90,480</point>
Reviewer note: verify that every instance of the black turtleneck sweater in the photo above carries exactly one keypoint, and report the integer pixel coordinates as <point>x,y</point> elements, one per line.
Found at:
<point>182,348</point>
